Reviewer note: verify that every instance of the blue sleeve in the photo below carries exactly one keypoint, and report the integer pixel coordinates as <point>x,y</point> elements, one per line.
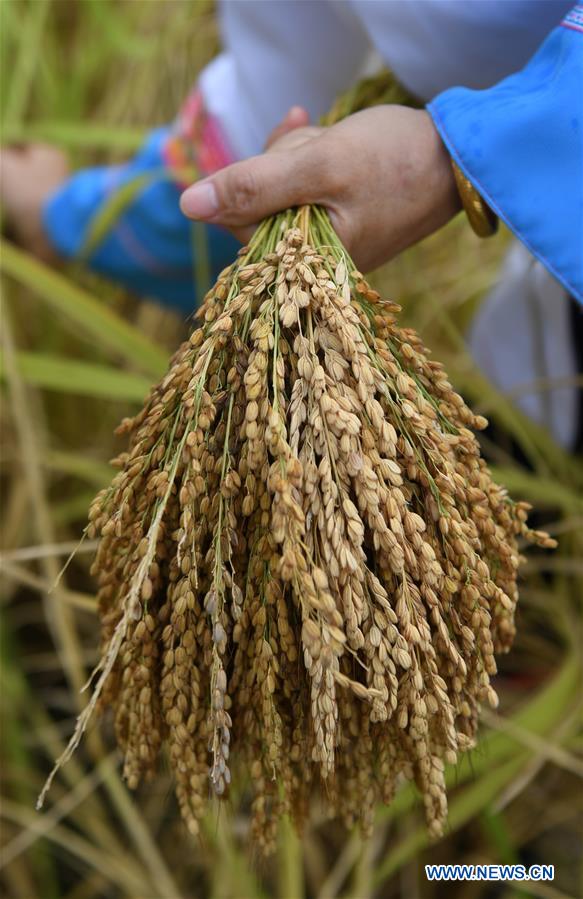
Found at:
<point>149,248</point>
<point>520,143</point>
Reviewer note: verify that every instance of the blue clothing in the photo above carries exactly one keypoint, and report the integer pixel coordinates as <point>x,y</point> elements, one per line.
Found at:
<point>150,246</point>
<point>520,143</point>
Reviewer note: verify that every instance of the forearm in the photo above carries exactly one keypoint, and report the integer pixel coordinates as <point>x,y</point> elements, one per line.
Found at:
<point>148,246</point>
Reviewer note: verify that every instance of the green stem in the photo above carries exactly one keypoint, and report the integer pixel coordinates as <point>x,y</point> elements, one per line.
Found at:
<point>290,863</point>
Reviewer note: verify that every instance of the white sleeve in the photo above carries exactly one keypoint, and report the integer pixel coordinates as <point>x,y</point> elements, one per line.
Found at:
<point>279,53</point>
<point>284,52</point>
<point>432,45</point>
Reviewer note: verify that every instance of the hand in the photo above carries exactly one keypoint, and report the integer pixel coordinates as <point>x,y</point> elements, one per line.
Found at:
<point>28,176</point>
<point>383,174</point>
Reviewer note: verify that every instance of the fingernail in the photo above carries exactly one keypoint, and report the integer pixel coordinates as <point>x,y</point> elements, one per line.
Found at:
<point>200,201</point>
<point>297,112</point>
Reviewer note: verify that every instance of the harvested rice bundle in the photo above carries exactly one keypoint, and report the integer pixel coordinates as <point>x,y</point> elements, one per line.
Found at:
<point>305,568</point>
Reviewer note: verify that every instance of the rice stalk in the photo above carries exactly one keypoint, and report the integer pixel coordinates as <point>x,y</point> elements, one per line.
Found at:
<point>305,567</point>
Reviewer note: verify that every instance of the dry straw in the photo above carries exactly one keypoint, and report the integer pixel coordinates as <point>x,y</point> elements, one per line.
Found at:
<point>305,568</point>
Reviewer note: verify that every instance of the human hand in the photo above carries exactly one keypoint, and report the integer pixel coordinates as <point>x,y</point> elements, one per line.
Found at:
<point>28,175</point>
<point>383,174</point>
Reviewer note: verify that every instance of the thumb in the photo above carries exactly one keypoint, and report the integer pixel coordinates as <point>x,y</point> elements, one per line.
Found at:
<point>246,192</point>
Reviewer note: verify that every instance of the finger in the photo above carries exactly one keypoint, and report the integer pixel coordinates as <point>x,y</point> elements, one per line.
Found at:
<point>294,139</point>
<point>296,117</point>
<point>246,192</point>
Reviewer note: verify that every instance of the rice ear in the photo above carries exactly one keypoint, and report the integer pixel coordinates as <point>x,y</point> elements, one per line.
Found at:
<point>305,568</point>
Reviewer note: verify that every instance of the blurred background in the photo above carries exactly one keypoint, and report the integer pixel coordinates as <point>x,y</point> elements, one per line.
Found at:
<point>77,355</point>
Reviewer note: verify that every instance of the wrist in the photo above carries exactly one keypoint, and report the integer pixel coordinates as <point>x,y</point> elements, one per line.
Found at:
<point>443,198</point>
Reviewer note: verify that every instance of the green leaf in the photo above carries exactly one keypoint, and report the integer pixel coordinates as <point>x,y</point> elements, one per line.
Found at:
<point>80,466</point>
<point>73,135</point>
<point>94,319</point>
<point>538,490</point>
<point>23,74</point>
<point>110,211</point>
<point>74,508</point>
<point>80,378</point>
<point>119,32</point>
<point>114,206</point>
<point>497,832</point>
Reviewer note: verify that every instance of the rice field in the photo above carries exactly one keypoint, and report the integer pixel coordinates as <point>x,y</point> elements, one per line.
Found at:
<point>77,356</point>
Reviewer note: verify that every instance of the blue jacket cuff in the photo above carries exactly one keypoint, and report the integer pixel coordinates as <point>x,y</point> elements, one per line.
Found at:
<point>520,143</point>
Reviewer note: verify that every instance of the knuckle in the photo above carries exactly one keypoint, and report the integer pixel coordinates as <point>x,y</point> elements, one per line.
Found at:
<point>242,191</point>
<point>326,170</point>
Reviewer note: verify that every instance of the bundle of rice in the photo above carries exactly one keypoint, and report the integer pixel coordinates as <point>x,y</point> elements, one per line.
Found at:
<point>305,568</point>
